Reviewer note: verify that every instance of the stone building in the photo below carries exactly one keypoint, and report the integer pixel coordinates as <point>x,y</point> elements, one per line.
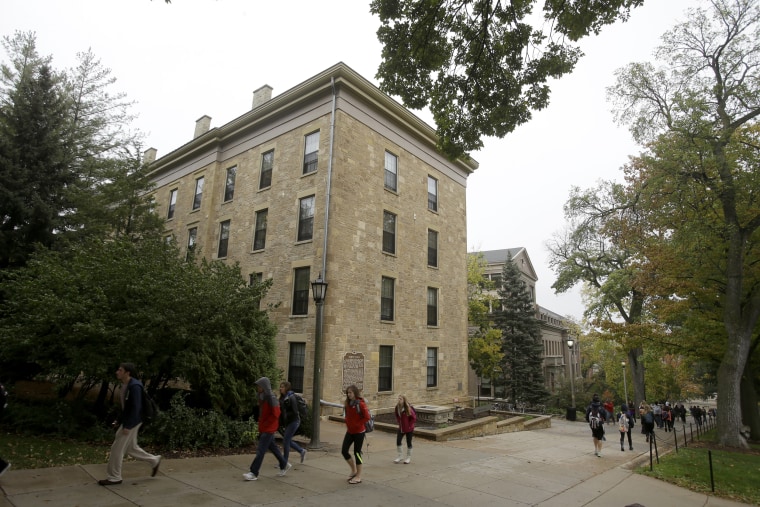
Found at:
<point>554,331</point>
<point>335,178</point>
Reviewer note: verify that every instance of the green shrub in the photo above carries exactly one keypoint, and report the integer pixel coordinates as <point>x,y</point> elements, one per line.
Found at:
<point>56,416</point>
<point>182,427</point>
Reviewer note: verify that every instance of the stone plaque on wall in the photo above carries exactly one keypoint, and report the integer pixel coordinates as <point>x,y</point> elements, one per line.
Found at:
<point>353,370</point>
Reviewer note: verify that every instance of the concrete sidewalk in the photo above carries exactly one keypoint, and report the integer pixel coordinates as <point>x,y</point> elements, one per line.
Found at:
<point>549,467</point>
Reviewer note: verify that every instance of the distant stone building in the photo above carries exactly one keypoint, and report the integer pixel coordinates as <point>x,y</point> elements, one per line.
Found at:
<point>334,177</point>
<point>554,331</point>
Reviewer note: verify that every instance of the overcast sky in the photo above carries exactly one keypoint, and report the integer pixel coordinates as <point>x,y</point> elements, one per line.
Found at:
<point>205,57</point>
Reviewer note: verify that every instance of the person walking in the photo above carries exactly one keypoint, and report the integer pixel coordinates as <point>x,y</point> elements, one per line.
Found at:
<point>625,425</point>
<point>609,409</point>
<point>647,420</point>
<point>357,414</point>
<point>596,416</point>
<point>405,417</point>
<point>125,441</point>
<point>269,420</point>
<point>290,420</point>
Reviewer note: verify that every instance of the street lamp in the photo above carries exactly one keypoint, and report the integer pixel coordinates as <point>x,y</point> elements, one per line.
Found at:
<point>319,291</point>
<point>625,383</point>
<point>571,410</point>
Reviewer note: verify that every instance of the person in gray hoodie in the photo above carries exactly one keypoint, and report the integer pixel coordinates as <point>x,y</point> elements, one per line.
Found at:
<point>269,421</point>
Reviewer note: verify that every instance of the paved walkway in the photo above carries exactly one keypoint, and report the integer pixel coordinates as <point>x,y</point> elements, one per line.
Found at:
<point>545,468</point>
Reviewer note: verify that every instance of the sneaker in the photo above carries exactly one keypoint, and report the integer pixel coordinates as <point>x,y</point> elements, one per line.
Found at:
<point>5,468</point>
<point>284,470</point>
<point>630,448</point>
<point>303,455</point>
<point>596,453</point>
<point>248,476</point>
<point>599,454</point>
<point>622,448</point>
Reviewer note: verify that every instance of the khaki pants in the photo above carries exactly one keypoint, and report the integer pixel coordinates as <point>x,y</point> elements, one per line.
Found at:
<point>123,445</point>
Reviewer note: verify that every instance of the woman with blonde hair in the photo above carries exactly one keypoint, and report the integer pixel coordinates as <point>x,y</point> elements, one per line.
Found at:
<point>405,417</point>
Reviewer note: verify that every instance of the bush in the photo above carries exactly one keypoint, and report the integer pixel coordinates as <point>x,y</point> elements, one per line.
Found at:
<point>56,416</point>
<point>182,427</point>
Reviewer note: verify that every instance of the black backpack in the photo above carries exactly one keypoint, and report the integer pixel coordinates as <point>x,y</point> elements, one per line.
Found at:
<point>303,407</point>
<point>149,409</point>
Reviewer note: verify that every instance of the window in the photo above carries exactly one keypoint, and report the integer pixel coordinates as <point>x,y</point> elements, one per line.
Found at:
<point>172,203</point>
<point>267,161</point>
<point>198,193</point>
<point>432,253</point>
<point>255,279</point>
<point>260,233</point>
<point>432,306</point>
<point>224,238</point>
<point>385,373</point>
<point>306,218</point>
<point>389,232</point>
<point>432,367</point>
<point>301,291</point>
<point>192,239</point>
<point>391,171</point>
<point>311,153</point>
<point>296,362</point>
<point>387,299</point>
<point>229,185</point>
<point>432,194</point>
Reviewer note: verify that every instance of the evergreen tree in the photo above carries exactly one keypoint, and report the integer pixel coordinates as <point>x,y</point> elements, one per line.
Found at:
<point>521,339</point>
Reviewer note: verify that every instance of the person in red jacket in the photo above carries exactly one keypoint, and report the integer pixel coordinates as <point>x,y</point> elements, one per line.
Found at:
<point>357,414</point>
<point>405,417</point>
<point>269,421</point>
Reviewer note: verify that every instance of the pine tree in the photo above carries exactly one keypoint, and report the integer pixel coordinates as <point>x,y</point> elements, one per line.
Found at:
<point>521,339</point>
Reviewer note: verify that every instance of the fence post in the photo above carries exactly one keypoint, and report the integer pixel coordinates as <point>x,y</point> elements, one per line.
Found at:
<point>656,454</point>
<point>712,478</point>
<point>691,431</point>
<point>675,434</point>
<point>685,444</point>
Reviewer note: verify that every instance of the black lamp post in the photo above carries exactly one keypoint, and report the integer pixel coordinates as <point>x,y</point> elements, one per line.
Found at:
<point>570,343</point>
<point>319,291</point>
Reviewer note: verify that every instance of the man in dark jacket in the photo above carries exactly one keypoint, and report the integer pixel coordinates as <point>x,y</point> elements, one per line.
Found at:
<point>129,424</point>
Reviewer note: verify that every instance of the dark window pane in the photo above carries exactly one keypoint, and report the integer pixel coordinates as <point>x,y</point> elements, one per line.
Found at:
<point>432,194</point>
<point>172,203</point>
<point>432,367</point>
<point>385,373</point>
<point>391,168</point>
<point>260,234</point>
<point>301,292</point>
<point>198,193</point>
<point>229,186</point>
<point>432,248</point>
<point>224,238</point>
<point>432,306</point>
<point>389,232</point>
<point>311,153</point>
<point>306,219</point>
<point>296,362</point>
<point>386,299</point>
<point>267,161</point>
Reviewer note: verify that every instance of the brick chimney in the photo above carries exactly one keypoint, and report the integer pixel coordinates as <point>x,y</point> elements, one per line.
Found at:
<point>149,156</point>
<point>261,95</point>
<point>202,125</point>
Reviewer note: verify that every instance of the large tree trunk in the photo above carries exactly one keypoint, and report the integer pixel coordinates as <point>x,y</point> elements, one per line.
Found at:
<point>729,394</point>
<point>637,371</point>
<point>750,414</point>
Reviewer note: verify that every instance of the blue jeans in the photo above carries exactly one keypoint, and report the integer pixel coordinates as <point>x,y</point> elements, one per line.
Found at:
<point>287,439</point>
<point>266,443</point>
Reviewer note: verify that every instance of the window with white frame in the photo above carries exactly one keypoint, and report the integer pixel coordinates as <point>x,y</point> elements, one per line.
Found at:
<point>311,152</point>
<point>306,218</point>
<point>432,306</point>
<point>385,369</point>
<point>432,251</point>
<point>301,291</point>
<point>229,184</point>
<point>432,194</point>
<point>391,171</point>
<point>172,203</point>
<point>432,367</point>
<point>389,232</point>
<point>198,193</point>
<point>260,231</point>
<point>267,163</point>
<point>387,296</point>
<point>224,239</point>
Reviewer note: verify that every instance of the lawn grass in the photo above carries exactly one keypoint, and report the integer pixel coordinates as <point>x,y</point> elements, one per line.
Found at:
<point>736,474</point>
<point>27,451</point>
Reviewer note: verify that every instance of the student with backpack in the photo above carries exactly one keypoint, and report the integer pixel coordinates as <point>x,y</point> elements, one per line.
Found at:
<point>405,417</point>
<point>290,420</point>
<point>596,416</point>
<point>357,414</point>
<point>625,425</point>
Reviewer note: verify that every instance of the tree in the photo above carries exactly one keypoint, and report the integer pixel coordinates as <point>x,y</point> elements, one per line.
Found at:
<point>35,172</point>
<point>73,314</point>
<point>699,115</point>
<point>480,65</point>
<point>521,338</point>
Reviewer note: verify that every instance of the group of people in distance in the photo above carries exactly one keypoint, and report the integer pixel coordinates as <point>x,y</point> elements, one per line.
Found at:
<point>660,415</point>
<point>274,413</point>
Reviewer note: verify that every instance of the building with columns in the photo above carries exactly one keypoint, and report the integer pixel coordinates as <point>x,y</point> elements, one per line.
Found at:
<point>334,178</point>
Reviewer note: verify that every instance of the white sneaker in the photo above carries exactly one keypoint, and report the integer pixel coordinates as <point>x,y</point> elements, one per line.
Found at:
<point>248,476</point>
<point>284,470</point>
